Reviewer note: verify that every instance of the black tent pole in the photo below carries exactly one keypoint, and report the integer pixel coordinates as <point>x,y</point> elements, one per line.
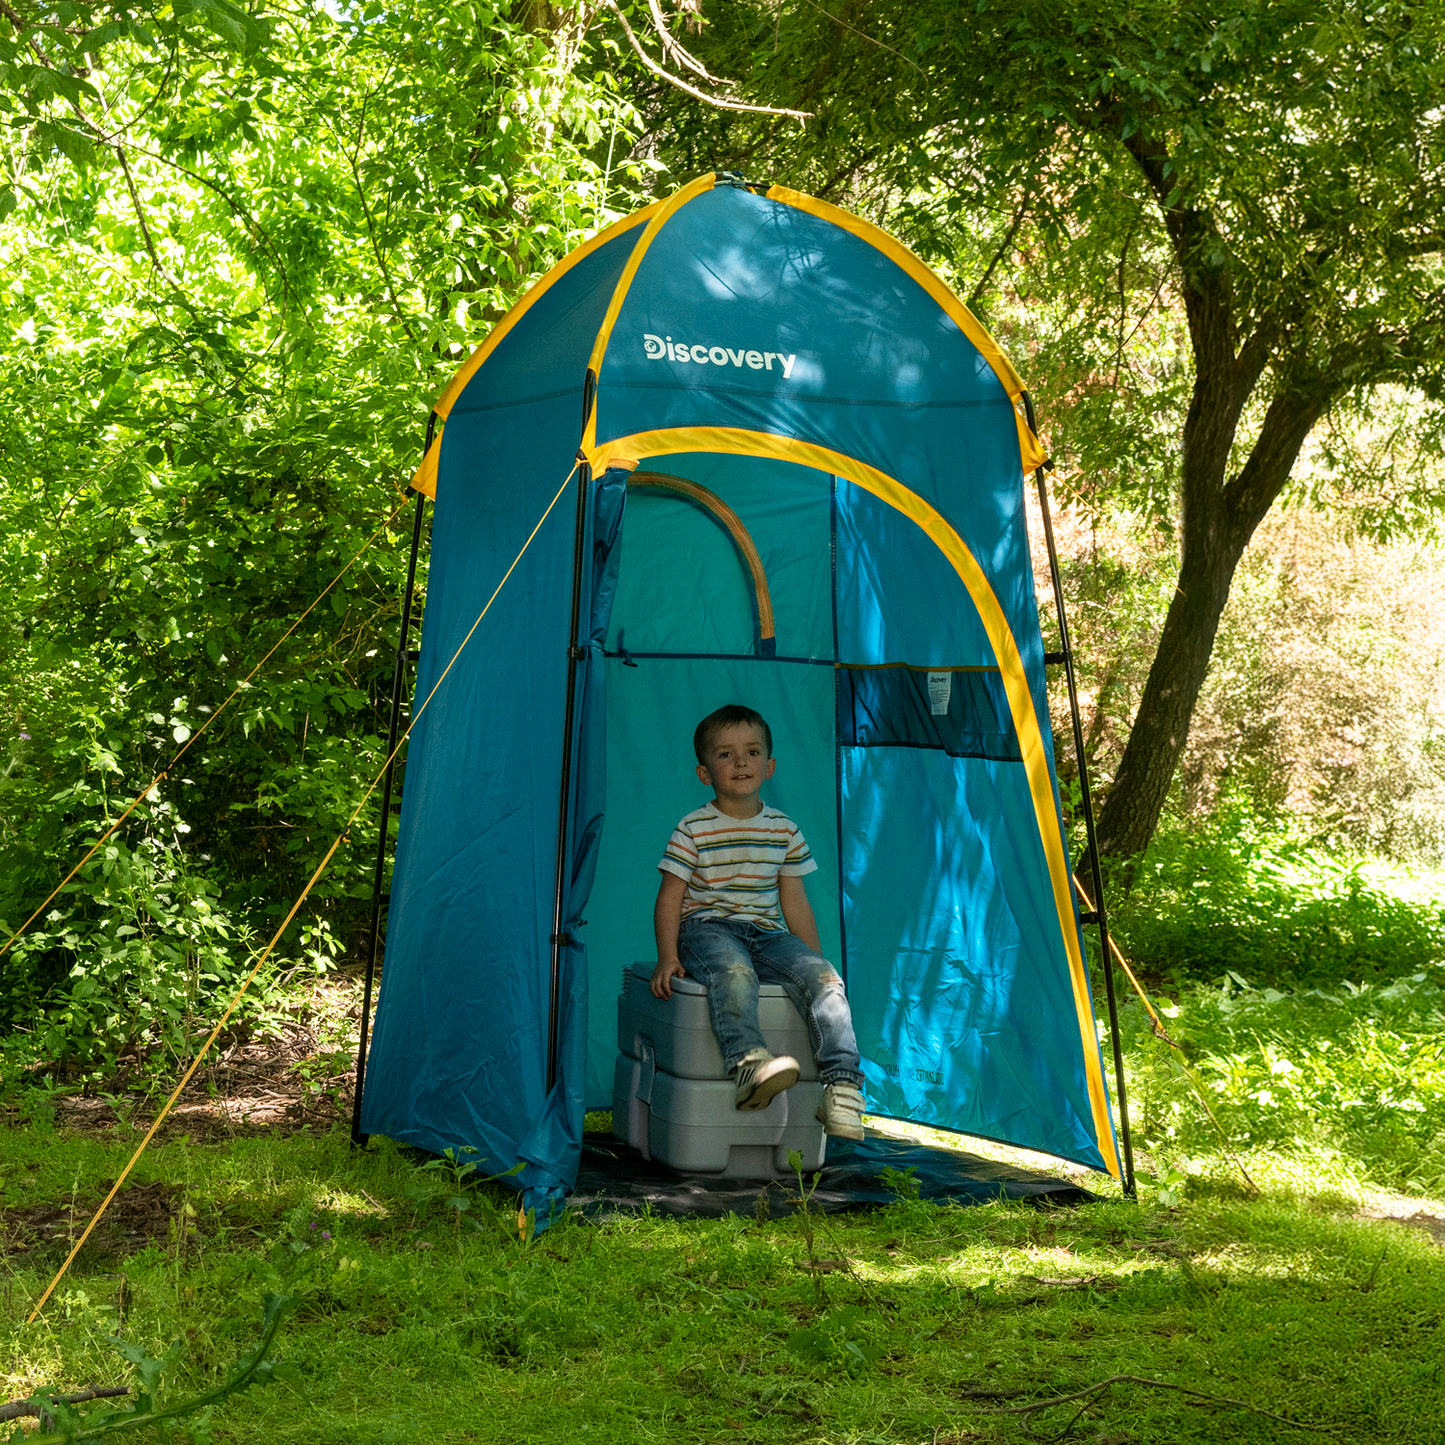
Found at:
<point>575,654</point>
<point>1100,914</point>
<point>398,680</point>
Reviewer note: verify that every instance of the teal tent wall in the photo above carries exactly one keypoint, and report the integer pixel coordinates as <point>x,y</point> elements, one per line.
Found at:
<point>764,370</point>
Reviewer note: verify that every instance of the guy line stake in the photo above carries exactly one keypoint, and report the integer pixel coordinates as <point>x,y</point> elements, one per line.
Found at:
<point>295,908</point>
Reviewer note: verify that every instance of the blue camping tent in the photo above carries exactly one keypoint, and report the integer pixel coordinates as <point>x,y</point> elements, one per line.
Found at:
<point>801,488</point>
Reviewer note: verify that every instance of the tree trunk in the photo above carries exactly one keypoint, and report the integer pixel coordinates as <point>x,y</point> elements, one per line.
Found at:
<point>1161,727</point>
<point>1217,523</point>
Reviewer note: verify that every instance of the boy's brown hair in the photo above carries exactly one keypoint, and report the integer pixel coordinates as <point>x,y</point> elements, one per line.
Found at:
<point>733,714</point>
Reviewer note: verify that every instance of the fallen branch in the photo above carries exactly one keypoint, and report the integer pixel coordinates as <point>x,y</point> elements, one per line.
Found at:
<point>1090,1394</point>
<point>18,1409</point>
<point>1088,1281</point>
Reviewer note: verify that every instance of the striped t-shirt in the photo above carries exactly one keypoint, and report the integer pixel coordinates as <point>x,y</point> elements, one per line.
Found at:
<point>732,865</point>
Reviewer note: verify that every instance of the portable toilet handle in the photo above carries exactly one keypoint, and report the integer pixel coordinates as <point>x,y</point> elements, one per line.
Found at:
<point>648,1071</point>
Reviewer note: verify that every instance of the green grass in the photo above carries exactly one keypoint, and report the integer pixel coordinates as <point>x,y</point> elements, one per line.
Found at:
<point>644,1329</point>
<point>1239,894</point>
<point>1308,998</point>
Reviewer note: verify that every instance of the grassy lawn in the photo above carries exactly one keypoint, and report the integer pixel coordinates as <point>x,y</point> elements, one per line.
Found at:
<point>414,1328</point>
<point>1284,1291</point>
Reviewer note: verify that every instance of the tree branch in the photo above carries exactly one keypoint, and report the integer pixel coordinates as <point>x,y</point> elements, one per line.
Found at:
<point>691,90</point>
<point>146,234</point>
<point>671,47</point>
<point>19,1409</point>
<point>998,255</point>
<point>1253,356</point>
<point>1218,397</point>
<point>370,229</point>
<point>838,20</point>
<point>152,102</point>
<point>1291,417</point>
<point>1092,1392</point>
<point>258,231</point>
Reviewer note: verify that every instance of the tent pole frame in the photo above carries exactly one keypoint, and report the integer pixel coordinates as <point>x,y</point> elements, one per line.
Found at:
<point>575,653</point>
<point>398,678</point>
<point>1100,915</point>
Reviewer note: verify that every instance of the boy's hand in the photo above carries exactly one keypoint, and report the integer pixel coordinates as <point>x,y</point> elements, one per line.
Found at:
<point>662,977</point>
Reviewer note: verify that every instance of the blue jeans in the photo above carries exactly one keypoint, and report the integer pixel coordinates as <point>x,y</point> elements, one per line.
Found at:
<point>730,958</point>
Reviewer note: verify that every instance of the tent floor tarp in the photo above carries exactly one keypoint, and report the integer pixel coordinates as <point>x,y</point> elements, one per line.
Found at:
<point>615,1179</point>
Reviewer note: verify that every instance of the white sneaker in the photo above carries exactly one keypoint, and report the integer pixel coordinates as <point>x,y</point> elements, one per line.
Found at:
<point>761,1078</point>
<point>841,1112</point>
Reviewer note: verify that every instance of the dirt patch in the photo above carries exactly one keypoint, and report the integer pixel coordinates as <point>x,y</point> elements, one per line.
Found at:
<point>1399,1209</point>
<point>281,1082</point>
<point>1432,1224</point>
<point>139,1215</point>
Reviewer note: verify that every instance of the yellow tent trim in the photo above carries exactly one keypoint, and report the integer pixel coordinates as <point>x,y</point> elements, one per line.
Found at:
<point>1031,450</point>
<point>656,216</point>
<point>674,203</point>
<point>739,442</point>
<point>474,362</point>
<point>425,478</point>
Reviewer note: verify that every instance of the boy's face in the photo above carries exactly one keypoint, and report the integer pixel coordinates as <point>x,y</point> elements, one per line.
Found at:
<point>737,764</point>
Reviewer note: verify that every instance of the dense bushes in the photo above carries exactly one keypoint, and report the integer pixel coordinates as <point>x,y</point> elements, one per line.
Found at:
<point>215,369</point>
<point>1355,1075</point>
<point>1308,999</point>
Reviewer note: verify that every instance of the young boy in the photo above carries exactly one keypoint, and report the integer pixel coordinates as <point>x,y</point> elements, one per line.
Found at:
<point>732,911</point>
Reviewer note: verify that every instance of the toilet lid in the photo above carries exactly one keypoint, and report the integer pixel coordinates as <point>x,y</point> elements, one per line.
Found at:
<point>687,985</point>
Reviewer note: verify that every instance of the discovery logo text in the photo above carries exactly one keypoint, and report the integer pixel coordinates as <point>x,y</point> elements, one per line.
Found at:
<point>655,348</point>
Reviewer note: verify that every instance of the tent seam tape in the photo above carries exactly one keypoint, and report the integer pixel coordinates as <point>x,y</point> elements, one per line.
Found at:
<point>474,362</point>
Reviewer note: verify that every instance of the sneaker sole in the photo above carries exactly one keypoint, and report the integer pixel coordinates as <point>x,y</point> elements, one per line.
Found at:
<point>842,1131</point>
<point>768,1088</point>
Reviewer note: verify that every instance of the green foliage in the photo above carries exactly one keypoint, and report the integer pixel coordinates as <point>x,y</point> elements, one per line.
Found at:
<point>220,340</point>
<point>1236,897</point>
<point>837,1341</point>
<point>901,1182</point>
<point>1357,1075</point>
<point>466,1200</point>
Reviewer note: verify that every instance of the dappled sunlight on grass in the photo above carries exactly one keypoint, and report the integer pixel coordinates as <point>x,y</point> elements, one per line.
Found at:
<point>647,1329</point>
<point>1308,1289</point>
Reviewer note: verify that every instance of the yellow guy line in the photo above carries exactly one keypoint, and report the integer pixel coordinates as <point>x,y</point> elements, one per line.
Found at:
<point>161,776</point>
<point>1160,1033</point>
<point>295,907</point>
